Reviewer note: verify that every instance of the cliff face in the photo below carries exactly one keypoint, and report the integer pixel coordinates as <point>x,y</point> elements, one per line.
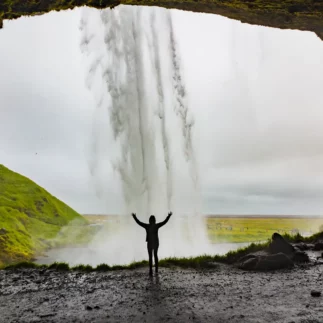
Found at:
<point>285,14</point>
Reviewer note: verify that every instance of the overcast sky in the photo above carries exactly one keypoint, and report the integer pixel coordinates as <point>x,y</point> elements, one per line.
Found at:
<point>255,92</point>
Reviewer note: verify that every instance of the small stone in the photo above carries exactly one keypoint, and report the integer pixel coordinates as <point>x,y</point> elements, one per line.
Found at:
<point>315,293</point>
<point>88,308</point>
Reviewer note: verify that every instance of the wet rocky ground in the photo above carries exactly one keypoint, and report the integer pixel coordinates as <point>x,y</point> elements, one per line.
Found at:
<point>223,294</point>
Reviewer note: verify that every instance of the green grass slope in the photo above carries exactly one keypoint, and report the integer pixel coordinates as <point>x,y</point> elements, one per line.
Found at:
<point>31,219</point>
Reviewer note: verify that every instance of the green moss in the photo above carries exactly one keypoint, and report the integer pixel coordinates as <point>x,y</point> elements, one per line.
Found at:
<point>85,268</point>
<point>32,220</point>
<point>291,14</point>
<point>103,267</point>
<point>25,265</point>
<point>139,264</point>
<point>62,266</point>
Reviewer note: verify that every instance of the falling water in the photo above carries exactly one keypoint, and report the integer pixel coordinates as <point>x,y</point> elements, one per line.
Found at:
<point>135,74</point>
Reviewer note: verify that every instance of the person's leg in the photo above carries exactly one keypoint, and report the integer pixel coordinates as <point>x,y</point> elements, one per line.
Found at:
<point>156,259</point>
<point>150,254</point>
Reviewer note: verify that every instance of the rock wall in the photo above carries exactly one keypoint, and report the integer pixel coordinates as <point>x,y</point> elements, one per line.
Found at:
<point>297,14</point>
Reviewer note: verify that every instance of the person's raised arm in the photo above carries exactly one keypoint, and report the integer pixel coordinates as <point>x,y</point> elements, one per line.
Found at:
<point>160,224</point>
<point>139,222</point>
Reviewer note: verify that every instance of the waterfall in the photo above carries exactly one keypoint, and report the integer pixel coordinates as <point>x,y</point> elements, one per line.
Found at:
<point>135,74</point>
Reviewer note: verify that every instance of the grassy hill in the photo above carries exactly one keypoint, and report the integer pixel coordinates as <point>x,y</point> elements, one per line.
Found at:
<point>32,220</point>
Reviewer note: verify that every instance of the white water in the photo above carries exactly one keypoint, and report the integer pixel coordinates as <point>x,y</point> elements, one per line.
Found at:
<point>134,72</point>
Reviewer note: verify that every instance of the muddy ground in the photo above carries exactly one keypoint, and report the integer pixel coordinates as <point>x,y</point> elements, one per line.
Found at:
<point>223,294</point>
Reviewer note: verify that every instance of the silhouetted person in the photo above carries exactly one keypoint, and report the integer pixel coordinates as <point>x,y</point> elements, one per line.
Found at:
<point>152,238</point>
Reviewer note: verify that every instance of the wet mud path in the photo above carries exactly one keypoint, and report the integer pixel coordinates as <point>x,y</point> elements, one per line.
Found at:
<point>224,294</point>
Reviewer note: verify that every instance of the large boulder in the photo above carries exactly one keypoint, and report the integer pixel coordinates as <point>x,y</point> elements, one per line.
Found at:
<point>296,253</point>
<point>273,262</point>
<point>280,245</point>
<point>248,262</point>
<point>265,262</point>
<point>281,255</point>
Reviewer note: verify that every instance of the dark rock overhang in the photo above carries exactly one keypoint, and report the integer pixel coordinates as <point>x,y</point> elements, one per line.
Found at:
<point>284,14</point>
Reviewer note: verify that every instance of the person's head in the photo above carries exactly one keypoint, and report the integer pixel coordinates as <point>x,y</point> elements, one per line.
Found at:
<point>152,219</point>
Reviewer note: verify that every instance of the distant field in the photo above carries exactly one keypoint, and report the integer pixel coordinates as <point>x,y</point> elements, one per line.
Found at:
<point>258,229</point>
<point>238,229</point>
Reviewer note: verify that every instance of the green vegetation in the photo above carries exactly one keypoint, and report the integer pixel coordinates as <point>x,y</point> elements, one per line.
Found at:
<point>291,14</point>
<point>200,262</point>
<point>32,220</point>
<point>62,266</point>
<point>239,229</point>
<point>24,265</point>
